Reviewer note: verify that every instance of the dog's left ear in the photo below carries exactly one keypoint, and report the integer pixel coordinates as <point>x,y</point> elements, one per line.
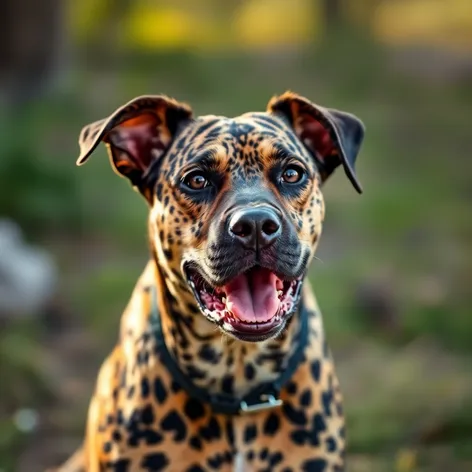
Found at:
<point>333,137</point>
<point>136,135</point>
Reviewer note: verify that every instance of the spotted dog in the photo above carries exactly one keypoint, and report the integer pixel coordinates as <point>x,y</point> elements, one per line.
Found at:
<point>222,362</point>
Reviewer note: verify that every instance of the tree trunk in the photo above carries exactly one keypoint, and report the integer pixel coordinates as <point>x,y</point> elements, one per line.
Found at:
<point>31,41</point>
<point>333,12</point>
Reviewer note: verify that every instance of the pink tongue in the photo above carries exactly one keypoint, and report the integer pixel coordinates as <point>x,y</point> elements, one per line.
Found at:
<point>253,297</point>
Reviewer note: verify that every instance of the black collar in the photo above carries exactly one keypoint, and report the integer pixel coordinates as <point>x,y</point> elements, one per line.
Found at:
<point>261,397</point>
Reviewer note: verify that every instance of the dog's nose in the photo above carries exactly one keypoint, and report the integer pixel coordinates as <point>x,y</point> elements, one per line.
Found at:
<point>255,228</point>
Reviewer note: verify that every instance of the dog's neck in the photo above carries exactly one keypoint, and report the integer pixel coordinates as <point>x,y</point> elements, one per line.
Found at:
<point>209,358</point>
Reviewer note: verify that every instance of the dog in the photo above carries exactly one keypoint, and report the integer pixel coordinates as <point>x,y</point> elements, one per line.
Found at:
<point>222,362</point>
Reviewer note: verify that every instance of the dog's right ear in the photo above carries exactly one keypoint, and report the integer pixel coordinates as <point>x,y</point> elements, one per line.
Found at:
<point>136,135</point>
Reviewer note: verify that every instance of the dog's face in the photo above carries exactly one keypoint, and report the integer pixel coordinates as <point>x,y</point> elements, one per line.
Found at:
<point>236,203</point>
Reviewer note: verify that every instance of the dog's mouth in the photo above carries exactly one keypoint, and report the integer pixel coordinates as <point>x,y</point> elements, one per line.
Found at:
<point>253,306</point>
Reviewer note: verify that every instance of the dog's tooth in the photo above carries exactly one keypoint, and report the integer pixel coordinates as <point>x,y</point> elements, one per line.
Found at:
<point>223,300</point>
<point>280,293</point>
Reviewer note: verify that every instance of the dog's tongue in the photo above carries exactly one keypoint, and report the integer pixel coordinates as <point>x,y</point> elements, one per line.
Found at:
<point>252,297</point>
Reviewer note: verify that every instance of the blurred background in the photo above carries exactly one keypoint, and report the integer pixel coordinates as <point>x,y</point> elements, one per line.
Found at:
<point>395,268</point>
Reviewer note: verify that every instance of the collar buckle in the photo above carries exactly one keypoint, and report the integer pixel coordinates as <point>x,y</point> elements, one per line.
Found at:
<point>269,402</point>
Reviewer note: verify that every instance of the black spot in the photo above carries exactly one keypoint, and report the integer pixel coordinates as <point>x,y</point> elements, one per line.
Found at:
<point>208,354</point>
<point>275,458</point>
<point>316,370</point>
<point>227,384</point>
<point>195,468</point>
<point>249,372</point>
<point>173,422</point>
<point>331,444</point>
<point>119,417</point>
<point>121,465</point>
<point>216,461</point>
<point>136,433</point>
<point>194,372</point>
<point>196,443</point>
<point>145,387</point>
<point>271,424</point>
<point>326,400</point>
<point>194,409</point>
<point>305,398</point>
<point>159,191</point>
<point>175,387</point>
<point>276,357</point>
<point>250,455</point>
<point>229,432</point>
<point>314,465</point>
<point>299,437</point>
<point>295,416</point>
<point>142,357</point>
<point>130,392</point>
<point>192,308</point>
<point>154,462</point>
<point>159,391</point>
<point>152,437</point>
<point>211,431</point>
<point>318,426</point>
<point>147,415</point>
<point>250,433</point>
<point>107,447</point>
<point>168,254</point>
<point>292,388</point>
<point>116,436</point>
<point>264,453</point>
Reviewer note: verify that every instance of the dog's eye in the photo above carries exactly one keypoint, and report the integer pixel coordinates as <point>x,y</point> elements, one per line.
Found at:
<point>195,180</point>
<point>292,174</point>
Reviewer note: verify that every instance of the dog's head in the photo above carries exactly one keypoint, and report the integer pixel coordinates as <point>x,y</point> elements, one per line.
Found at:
<point>236,203</point>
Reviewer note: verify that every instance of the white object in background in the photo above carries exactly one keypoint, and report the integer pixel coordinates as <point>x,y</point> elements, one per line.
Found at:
<point>28,275</point>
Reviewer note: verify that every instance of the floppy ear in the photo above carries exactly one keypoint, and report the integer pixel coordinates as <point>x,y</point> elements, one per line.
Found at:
<point>333,137</point>
<point>136,135</point>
